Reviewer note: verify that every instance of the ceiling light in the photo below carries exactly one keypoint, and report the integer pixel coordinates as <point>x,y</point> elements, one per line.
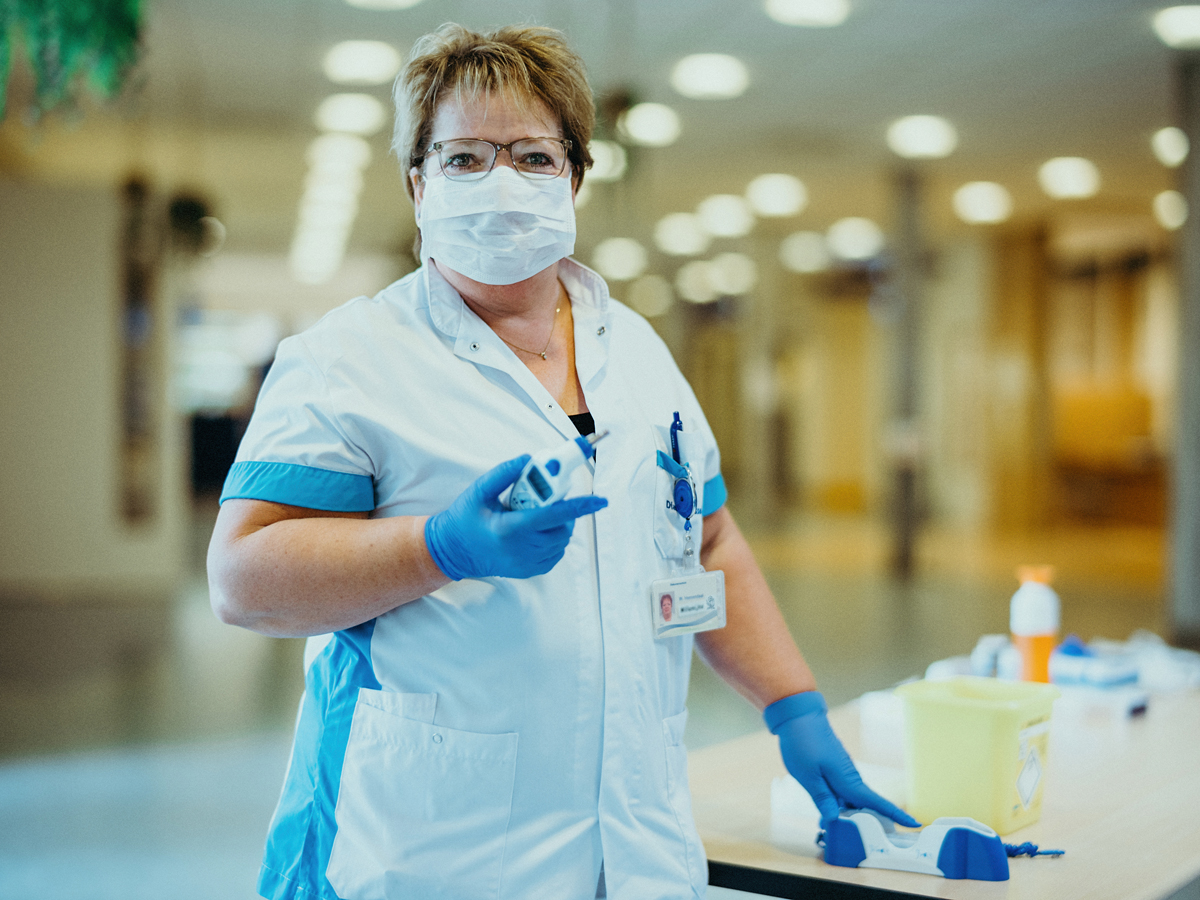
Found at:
<point>350,113</point>
<point>383,4</point>
<point>982,202</point>
<point>1178,26</point>
<point>808,13</point>
<point>777,195</point>
<point>855,238</point>
<point>1171,209</point>
<point>361,62</point>
<point>804,251</point>
<point>710,76</point>
<point>608,161</point>
<point>725,215</point>
<point>693,283</point>
<point>328,213</point>
<point>651,295</point>
<point>332,184</point>
<point>1170,145</point>
<point>732,274</point>
<point>1067,177</point>
<point>680,234</point>
<point>619,258</point>
<point>651,124</point>
<point>922,137</point>
<point>339,152</point>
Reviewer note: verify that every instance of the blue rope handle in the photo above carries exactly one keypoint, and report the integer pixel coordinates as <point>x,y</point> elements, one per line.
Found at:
<point>1028,849</point>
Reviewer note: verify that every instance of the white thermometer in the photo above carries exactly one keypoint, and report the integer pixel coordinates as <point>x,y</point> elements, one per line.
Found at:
<point>547,476</point>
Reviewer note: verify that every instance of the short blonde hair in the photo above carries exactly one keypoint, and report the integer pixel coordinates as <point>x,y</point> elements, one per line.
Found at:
<point>521,62</point>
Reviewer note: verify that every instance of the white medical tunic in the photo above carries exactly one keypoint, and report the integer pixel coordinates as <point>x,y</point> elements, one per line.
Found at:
<point>498,738</point>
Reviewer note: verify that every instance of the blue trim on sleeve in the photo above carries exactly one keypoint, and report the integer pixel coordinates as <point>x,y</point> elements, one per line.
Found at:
<point>714,495</point>
<point>299,486</point>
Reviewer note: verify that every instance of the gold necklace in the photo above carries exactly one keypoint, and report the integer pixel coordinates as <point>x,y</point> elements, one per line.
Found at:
<point>543,351</point>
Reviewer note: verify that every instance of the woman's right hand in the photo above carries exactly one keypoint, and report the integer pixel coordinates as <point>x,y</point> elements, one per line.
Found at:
<point>477,536</point>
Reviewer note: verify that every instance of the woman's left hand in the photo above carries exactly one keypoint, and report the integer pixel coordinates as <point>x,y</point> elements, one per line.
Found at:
<point>478,537</point>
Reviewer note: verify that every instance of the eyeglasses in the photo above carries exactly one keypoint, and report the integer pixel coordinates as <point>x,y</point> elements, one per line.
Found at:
<point>470,159</point>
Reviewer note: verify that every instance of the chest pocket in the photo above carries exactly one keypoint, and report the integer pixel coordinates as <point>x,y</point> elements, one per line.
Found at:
<point>678,490</point>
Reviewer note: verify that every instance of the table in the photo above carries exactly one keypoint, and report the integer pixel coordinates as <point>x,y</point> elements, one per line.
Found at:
<point>1122,798</point>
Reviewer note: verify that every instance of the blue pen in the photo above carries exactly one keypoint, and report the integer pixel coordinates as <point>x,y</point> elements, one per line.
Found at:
<point>676,427</point>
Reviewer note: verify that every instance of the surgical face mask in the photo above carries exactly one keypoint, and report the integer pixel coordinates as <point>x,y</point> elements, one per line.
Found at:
<point>499,230</point>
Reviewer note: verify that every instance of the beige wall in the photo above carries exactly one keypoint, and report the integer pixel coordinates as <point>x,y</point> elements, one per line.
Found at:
<point>61,529</point>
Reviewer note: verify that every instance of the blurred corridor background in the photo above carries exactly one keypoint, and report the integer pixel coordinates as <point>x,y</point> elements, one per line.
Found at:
<point>924,263</point>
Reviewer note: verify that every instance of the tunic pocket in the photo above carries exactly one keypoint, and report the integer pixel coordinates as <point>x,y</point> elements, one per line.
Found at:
<point>422,809</point>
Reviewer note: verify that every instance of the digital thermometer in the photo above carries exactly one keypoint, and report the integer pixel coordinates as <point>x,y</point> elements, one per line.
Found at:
<point>547,476</point>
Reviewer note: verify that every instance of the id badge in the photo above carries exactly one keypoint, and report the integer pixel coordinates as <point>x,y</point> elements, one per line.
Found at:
<point>688,603</point>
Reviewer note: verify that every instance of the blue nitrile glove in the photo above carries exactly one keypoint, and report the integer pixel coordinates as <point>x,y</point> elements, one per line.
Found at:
<point>477,536</point>
<point>816,758</point>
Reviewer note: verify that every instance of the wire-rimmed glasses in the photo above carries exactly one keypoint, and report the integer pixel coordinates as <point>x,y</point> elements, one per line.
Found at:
<point>469,159</point>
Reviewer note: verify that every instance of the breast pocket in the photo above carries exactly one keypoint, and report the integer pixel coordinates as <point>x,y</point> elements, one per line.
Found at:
<point>674,496</point>
<point>422,809</point>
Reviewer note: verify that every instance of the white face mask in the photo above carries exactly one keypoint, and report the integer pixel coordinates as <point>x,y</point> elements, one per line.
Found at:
<point>501,229</point>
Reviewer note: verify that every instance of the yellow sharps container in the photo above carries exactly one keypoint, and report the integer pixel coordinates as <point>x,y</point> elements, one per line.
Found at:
<point>976,747</point>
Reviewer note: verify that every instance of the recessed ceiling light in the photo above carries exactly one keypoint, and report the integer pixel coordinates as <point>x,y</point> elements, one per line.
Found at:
<point>732,274</point>
<point>350,113</point>
<point>804,251</point>
<point>608,161</point>
<point>651,295</point>
<point>922,137</point>
<point>1171,209</point>
<point>338,152</point>
<point>808,13</point>
<point>383,4</point>
<point>1066,177</point>
<point>725,215</point>
<point>650,124</point>
<point>1170,145</point>
<point>620,258</point>
<point>855,238</point>
<point>328,210</point>
<point>680,234</point>
<point>777,194</point>
<point>982,202</point>
<point>332,182</point>
<point>1178,26</point>
<point>693,283</point>
<point>361,62</point>
<point>710,76</point>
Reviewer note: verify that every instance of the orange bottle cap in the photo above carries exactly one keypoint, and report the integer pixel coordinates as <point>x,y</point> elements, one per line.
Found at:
<point>1041,574</point>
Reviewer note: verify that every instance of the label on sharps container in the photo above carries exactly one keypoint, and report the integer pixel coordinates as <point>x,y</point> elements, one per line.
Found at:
<point>1030,777</point>
<point>1031,755</point>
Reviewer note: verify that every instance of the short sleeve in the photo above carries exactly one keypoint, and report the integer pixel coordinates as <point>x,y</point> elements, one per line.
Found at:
<point>295,450</point>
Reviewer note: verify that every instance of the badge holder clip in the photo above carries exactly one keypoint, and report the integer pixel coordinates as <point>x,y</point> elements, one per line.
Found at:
<point>692,600</point>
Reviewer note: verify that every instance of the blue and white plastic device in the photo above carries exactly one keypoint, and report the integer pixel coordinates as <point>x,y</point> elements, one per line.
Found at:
<point>547,476</point>
<point>950,847</point>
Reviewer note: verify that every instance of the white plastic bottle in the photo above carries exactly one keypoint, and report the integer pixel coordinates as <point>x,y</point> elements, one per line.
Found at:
<point>1034,618</point>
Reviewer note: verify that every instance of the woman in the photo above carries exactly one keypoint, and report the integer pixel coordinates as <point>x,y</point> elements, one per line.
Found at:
<point>488,713</point>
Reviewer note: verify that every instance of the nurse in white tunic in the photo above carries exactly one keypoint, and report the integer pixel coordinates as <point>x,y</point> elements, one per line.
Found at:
<point>490,711</point>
